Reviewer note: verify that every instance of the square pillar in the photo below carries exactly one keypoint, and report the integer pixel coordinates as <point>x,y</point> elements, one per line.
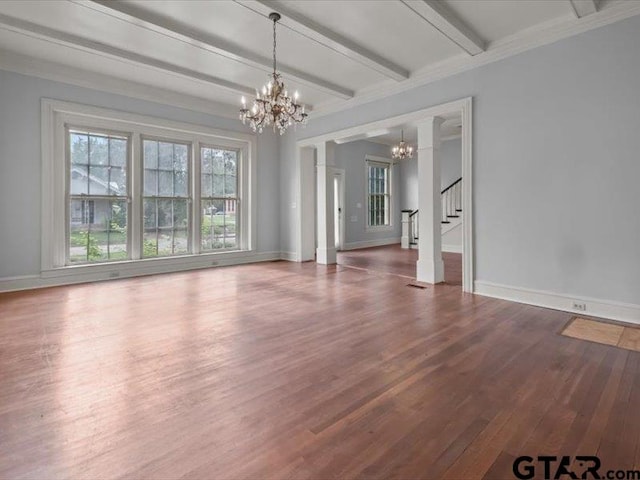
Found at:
<point>429,267</point>
<point>326,250</point>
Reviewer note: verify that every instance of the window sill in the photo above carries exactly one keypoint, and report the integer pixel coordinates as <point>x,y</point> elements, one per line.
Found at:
<point>149,266</point>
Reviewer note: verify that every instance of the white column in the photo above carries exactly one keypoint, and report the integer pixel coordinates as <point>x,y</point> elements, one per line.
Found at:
<point>326,251</point>
<point>429,267</point>
<point>307,205</point>
<point>406,227</point>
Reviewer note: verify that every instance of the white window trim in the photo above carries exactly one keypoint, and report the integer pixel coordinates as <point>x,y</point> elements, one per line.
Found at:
<point>55,115</point>
<point>391,163</point>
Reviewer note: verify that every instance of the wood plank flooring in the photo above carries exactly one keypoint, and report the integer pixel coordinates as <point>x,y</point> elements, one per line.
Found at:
<point>394,260</point>
<point>301,371</point>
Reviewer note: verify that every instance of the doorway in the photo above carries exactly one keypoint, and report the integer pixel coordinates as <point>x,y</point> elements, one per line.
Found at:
<point>338,207</point>
<point>429,225</point>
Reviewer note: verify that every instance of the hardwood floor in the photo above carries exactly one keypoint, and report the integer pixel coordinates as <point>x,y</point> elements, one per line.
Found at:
<point>285,370</point>
<point>399,261</point>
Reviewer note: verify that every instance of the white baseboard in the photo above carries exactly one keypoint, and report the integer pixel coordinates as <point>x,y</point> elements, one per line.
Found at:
<point>289,256</point>
<point>452,248</point>
<point>371,243</point>
<point>48,279</point>
<point>623,312</point>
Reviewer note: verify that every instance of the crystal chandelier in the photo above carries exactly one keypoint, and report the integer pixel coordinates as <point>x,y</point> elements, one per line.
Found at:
<point>402,150</point>
<point>273,105</point>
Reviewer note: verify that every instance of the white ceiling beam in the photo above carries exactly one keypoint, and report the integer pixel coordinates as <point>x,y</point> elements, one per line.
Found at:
<point>582,8</point>
<point>446,22</point>
<point>363,136</point>
<point>75,41</point>
<point>211,43</point>
<point>322,35</point>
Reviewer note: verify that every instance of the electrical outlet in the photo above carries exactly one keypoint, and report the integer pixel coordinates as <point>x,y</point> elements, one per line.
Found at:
<point>581,306</point>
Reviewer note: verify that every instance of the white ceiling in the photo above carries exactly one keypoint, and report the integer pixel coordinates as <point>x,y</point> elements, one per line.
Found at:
<point>334,53</point>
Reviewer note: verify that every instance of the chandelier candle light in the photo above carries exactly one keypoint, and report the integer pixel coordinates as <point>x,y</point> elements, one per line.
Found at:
<point>402,150</point>
<point>272,105</point>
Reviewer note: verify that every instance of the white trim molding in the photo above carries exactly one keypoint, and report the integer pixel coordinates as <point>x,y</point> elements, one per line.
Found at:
<point>623,312</point>
<point>371,243</point>
<point>56,115</point>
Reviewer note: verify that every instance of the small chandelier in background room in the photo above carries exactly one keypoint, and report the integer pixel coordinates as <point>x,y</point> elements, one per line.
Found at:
<point>272,105</point>
<point>402,150</point>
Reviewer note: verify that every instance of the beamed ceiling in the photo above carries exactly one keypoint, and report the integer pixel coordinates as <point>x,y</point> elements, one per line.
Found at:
<point>206,54</point>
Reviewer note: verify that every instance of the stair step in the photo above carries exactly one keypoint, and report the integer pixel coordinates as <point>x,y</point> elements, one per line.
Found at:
<point>453,216</point>
<point>445,221</point>
<point>458,209</point>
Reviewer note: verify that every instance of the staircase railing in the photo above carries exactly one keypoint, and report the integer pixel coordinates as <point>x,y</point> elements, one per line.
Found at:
<point>451,201</point>
<point>413,228</point>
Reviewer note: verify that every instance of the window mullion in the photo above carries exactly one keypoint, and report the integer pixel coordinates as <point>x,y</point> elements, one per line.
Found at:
<point>196,205</point>
<point>135,197</point>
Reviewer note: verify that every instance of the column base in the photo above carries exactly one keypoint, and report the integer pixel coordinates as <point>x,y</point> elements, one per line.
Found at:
<point>326,256</point>
<point>430,272</point>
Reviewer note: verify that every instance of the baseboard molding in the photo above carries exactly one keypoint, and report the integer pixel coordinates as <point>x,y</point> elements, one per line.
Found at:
<point>371,243</point>
<point>289,256</point>
<point>452,248</point>
<point>27,282</point>
<point>623,312</point>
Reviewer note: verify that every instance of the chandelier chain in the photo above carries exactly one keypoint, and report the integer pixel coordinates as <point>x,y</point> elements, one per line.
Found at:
<point>274,46</point>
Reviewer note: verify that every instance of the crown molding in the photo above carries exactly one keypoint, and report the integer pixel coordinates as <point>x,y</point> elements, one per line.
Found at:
<point>529,39</point>
<point>57,72</point>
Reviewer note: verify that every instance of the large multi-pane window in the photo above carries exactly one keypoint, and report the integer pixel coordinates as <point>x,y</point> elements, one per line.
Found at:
<point>131,191</point>
<point>219,198</point>
<point>166,198</point>
<point>378,194</point>
<point>97,197</point>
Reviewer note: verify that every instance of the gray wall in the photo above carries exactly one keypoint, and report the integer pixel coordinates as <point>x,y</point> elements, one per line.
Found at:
<point>451,170</point>
<point>351,157</point>
<point>20,163</point>
<point>556,165</point>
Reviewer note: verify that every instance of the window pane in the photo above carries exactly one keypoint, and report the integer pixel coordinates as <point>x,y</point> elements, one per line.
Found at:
<point>165,188</point>
<point>79,144</point>
<point>165,158</point>
<point>230,185</point>
<point>118,183</point>
<point>219,172</point>
<point>378,203</point>
<point>150,182</point>
<point>213,224</point>
<point>205,187</point>
<point>118,152</point>
<point>166,171</point>
<point>98,150</point>
<point>98,180</point>
<point>166,227</point>
<point>98,230</point>
<point>150,154</point>
<point>218,185</point>
<point>79,183</point>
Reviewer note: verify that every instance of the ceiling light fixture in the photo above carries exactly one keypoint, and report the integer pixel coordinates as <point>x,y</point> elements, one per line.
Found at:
<point>402,150</point>
<point>272,105</point>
